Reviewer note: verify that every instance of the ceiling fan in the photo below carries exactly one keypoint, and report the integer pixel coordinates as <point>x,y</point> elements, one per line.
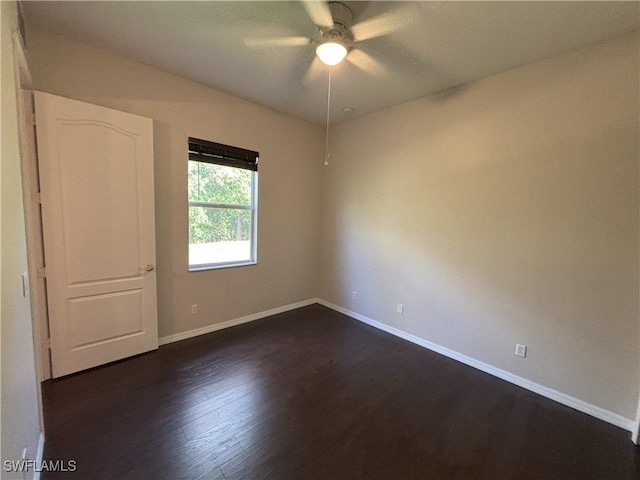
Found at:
<point>337,37</point>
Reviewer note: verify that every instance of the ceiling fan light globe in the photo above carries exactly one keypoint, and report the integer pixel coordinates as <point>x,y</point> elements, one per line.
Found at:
<point>331,53</point>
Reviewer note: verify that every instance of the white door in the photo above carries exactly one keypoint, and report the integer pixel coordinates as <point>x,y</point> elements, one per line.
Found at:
<point>96,174</point>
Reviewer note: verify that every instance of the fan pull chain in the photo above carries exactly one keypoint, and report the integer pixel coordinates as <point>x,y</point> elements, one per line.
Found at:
<point>326,146</point>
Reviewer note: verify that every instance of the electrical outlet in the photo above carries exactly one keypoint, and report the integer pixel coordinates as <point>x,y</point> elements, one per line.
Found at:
<point>194,309</point>
<point>354,295</point>
<point>521,350</point>
<point>400,308</point>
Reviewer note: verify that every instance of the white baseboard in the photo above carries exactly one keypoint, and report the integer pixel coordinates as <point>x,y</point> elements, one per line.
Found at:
<point>39,456</point>
<point>232,323</point>
<point>580,405</point>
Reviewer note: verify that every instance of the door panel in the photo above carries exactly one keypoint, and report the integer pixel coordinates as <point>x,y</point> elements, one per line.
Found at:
<point>98,223</point>
<point>111,174</point>
<point>98,318</point>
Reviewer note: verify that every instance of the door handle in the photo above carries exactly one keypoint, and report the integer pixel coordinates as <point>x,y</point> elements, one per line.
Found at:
<point>148,267</point>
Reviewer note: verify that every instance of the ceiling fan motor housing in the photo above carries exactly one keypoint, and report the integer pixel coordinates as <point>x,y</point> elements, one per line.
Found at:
<point>342,20</point>
<point>342,15</point>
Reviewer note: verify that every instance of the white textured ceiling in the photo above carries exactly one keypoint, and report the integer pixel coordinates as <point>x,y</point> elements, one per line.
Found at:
<point>431,46</point>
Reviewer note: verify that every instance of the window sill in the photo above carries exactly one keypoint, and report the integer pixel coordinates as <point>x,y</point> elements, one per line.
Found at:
<point>217,266</point>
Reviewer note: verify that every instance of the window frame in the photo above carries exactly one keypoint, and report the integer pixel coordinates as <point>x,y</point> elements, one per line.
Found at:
<point>252,207</point>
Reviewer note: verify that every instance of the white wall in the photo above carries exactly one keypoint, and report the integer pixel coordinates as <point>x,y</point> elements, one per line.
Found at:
<point>507,213</point>
<point>20,390</point>
<point>289,178</point>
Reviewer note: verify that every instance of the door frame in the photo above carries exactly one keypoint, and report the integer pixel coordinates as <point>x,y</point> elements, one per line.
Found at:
<point>32,211</point>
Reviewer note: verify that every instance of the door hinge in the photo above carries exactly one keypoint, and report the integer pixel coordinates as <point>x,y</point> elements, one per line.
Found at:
<point>41,272</point>
<point>46,343</point>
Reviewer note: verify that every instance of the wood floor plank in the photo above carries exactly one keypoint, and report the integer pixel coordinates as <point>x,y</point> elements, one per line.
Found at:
<point>313,394</point>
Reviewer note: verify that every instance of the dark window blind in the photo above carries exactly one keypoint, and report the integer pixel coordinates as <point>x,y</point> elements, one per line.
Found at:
<point>219,154</point>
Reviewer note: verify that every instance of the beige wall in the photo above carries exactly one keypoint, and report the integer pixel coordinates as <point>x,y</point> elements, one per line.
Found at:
<point>289,175</point>
<point>20,390</point>
<point>508,213</point>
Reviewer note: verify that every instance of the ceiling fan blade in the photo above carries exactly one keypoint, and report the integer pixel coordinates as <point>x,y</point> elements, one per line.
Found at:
<point>277,42</point>
<point>314,71</point>
<point>383,24</point>
<point>319,12</point>
<point>366,62</point>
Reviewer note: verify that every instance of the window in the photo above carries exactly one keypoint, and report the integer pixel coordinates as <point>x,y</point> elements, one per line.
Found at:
<point>223,186</point>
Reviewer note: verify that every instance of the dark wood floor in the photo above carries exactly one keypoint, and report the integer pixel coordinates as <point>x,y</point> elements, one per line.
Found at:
<point>314,394</point>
